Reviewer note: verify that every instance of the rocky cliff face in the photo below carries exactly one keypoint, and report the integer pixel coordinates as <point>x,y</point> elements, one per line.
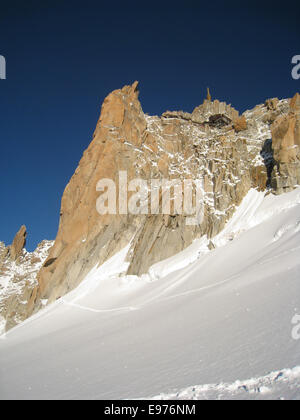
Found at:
<point>18,244</point>
<point>227,152</point>
<point>286,145</point>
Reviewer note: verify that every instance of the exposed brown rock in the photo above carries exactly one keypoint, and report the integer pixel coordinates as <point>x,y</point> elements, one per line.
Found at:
<point>295,104</point>
<point>202,113</point>
<point>286,146</point>
<point>260,177</point>
<point>84,237</point>
<point>208,97</point>
<point>201,145</point>
<point>240,124</point>
<point>18,244</point>
<point>271,104</point>
<point>286,138</point>
<point>146,147</point>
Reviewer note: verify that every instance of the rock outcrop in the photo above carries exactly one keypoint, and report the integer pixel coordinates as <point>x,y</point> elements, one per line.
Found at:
<point>208,96</point>
<point>240,124</point>
<point>227,153</point>
<point>286,146</point>
<point>272,104</point>
<point>17,282</point>
<point>18,244</point>
<point>208,108</point>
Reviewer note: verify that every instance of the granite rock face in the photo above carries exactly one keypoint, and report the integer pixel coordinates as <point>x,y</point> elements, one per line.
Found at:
<point>286,145</point>
<point>240,124</point>
<point>226,152</point>
<point>18,244</point>
<point>208,108</point>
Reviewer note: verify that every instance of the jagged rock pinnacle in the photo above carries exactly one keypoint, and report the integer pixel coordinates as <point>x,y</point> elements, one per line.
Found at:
<point>18,244</point>
<point>208,95</point>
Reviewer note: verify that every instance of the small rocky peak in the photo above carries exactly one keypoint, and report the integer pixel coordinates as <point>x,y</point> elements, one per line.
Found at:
<point>295,104</point>
<point>271,104</point>
<point>208,97</point>
<point>18,244</point>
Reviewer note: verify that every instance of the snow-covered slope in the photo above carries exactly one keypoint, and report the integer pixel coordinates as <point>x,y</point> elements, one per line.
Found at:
<point>226,317</point>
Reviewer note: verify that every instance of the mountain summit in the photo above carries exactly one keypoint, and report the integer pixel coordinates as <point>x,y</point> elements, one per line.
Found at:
<point>227,152</point>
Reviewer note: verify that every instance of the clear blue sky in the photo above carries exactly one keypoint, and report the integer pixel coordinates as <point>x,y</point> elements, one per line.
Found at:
<point>64,57</point>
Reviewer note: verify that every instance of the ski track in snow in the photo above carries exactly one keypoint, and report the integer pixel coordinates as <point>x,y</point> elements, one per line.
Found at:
<point>98,311</point>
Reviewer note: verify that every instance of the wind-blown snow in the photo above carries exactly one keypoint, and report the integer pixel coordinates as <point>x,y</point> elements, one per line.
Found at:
<point>202,317</point>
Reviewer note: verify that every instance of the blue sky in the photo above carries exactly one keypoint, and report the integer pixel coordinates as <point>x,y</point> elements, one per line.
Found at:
<point>64,57</point>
